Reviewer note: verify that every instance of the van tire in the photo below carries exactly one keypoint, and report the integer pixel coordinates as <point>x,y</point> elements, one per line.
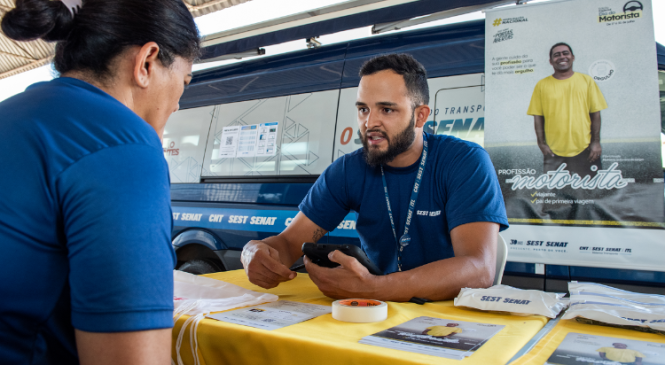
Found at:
<point>201,266</point>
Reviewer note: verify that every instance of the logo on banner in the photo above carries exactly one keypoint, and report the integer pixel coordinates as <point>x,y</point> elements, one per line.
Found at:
<point>606,250</point>
<point>631,10</point>
<point>602,70</point>
<point>605,179</point>
<point>633,6</point>
<point>500,21</point>
<point>503,35</point>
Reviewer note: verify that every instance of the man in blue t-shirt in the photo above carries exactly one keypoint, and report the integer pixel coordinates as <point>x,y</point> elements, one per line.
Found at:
<point>429,206</point>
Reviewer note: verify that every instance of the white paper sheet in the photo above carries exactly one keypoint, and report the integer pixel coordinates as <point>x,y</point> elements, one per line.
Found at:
<point>274,315</point>
<point>228,146</point>
<point>258,140</point>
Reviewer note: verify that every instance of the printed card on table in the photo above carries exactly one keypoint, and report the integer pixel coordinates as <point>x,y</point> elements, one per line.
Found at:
<point>448,338</point>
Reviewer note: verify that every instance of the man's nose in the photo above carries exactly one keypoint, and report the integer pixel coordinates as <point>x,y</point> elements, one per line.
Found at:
<point>373,120</point>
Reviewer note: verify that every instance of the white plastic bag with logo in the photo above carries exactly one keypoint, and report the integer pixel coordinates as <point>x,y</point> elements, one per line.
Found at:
<point>616,307</point>
<point>198,296</point>
<point>505,298</point>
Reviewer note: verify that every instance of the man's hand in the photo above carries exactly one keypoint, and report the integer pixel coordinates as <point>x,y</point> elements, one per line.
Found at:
<point>267,262</point>
<point>349,280</point>
<point>263,266</point>
<point>545,149</point>
<point>596,150</point>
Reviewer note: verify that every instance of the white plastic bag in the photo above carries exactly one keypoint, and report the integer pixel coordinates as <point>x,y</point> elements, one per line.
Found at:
<point>615,306</point>
<point>505,298</point>
<point>600,290</point>
<point>198,296</point>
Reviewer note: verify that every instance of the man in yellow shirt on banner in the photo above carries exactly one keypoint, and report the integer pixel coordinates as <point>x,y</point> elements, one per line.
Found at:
<point>443,331</point>
<point>566,111</point>
<point>621,354</point>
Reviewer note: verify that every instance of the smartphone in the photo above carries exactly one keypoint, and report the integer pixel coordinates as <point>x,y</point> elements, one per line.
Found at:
<point>318,253</point>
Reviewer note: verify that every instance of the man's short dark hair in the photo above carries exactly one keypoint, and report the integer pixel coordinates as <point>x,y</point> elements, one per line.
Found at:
<point>561,44</point>
<point>414,73</point>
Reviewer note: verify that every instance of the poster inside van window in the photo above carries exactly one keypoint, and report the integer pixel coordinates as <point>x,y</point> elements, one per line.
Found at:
<point>249,140</point>
<point>573,129</point>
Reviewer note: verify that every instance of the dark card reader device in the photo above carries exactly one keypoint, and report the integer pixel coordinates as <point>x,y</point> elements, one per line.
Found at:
<point>318,253</point>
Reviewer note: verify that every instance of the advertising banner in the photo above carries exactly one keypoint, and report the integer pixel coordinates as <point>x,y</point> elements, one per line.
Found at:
<point>573,129</point>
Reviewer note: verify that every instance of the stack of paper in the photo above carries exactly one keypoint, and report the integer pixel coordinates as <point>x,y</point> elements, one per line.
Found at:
<point>453,339</point>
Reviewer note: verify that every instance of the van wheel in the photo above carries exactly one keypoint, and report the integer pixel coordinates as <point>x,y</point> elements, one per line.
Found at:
<point>201,266</point>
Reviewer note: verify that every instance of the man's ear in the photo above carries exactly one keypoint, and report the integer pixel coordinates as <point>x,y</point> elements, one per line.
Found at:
<point>422,113</point>
<point>145,62</point>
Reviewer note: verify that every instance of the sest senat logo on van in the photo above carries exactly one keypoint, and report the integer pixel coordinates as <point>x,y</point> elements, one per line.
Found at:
<point>631,10</point>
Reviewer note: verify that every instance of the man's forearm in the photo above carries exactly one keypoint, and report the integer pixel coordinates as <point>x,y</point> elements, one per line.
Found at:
<point>440,280</point>
<point>539,126</point>
<point>287,254</point>
<point>289,242</point>
<point>595,127</point>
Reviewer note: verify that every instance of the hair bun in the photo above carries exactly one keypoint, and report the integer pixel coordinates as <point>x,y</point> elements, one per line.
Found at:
<point>34,19</point>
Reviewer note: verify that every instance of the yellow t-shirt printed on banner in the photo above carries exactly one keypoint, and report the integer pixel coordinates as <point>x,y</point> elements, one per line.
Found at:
<point>442,331</point>
<point>566,105</point>
<point>620,355</point>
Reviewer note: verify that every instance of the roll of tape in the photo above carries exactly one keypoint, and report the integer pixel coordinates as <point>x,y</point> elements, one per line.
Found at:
<point>359,310</point>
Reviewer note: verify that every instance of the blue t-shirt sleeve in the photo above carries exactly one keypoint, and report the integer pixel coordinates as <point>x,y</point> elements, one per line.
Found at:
<point>327,203</point>
<point>117,219</point>
<point>473,191</point>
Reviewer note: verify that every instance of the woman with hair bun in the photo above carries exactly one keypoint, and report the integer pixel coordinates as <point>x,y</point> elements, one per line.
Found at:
<point>85,214</point>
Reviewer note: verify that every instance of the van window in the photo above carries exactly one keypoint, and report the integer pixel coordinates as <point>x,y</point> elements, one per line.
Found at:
<point>184,142</point>
<point>281,136</point>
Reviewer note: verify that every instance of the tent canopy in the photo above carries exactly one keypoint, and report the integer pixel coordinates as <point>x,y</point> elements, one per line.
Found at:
<point>17,57</point>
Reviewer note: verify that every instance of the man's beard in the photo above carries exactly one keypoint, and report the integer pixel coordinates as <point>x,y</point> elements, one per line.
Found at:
<point>402,142</point>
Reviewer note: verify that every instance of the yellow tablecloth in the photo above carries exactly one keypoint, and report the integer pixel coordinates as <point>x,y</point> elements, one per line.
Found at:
<point>545,347</point>
<point>324,340</point>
